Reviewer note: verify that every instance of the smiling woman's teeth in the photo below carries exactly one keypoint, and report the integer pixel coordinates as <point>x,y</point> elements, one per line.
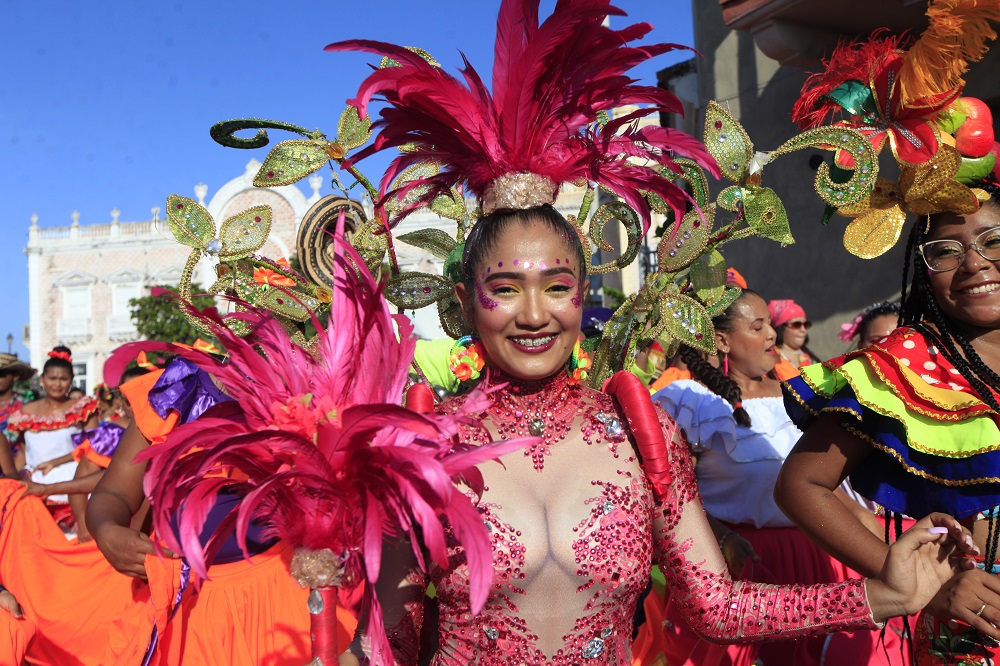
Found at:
<point>982,289</point>
<point>534,342</point>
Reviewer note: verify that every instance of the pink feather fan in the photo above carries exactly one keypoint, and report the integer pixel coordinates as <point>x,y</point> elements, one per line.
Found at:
<point>550,83</point>
<point>321,449</point>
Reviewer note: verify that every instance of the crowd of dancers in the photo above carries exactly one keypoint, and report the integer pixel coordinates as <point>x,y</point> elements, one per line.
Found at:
<point>691,485</point>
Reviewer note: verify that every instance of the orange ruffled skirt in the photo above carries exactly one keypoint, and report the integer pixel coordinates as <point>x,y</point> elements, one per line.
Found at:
<point>68,591</point>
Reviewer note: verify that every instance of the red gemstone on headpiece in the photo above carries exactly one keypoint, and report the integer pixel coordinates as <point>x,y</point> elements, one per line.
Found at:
<point>257,219</point>
<point>180,206</point>
<point>270,174</point>
<point>718,124</point>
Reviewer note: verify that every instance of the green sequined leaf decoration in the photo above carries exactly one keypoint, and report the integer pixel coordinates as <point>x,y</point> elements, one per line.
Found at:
<point>395,203</point>
<point>729,198</point>
<point>451,318</point>
<point>286,304</point>
<point>729,297</point>
<point>686,320</point>
<point>450,206</point>
<point>435,241</point>
<point>728,143</point>
<point>693,175</point>
<point>708,276</point>
<point>245,233</point>
<point>371,246</point>
<point>353,131</point>
<point>689,241</point>
<point>291,161</point>
<point>412,291</point>
<point>766,215</point>
<point>616,210</point>
<point>838,139</point>
<point>189,222</point>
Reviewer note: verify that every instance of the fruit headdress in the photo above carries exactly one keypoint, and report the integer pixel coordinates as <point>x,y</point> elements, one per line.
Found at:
<point>911,100</point>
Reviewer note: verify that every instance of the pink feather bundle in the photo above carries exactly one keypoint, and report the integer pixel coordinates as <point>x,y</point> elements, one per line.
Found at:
<point>320,448</point>
<point>550,83</point>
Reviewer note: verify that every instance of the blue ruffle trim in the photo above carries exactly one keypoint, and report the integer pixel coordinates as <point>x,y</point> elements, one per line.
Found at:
<point>896,483</point>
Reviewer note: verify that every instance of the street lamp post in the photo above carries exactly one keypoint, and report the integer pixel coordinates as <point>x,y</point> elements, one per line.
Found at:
<point>10,343</point>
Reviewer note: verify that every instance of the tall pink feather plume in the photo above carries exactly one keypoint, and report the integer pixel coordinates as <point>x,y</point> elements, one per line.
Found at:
<point>320,449</point>
<point>550,82</point>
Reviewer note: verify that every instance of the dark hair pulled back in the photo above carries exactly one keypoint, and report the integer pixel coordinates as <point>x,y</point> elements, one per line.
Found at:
<point>486,234</point>
<point>713,378</point>
<point>55,362</point>
<point>873,312</point>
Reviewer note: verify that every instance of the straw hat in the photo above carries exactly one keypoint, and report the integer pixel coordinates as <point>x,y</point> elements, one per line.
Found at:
<point>11,363</point>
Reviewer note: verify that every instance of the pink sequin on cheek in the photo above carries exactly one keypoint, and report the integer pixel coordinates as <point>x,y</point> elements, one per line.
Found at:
<point>577,297</point>
<point>485,302</point>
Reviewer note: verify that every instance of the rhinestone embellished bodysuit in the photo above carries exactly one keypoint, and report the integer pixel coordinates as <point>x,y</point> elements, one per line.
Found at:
<point>574,529</point>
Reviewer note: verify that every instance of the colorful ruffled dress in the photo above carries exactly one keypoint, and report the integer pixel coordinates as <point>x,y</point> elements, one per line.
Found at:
<point>898,395</point>
<point>98,444</point>
<point>736,472</point>
<point>249,611</point>
<point>575,528</point>
<point>18,400</point>
<point>49,437</point>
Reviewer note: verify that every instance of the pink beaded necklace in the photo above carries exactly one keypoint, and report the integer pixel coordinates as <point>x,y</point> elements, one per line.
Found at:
<point>545,408</point>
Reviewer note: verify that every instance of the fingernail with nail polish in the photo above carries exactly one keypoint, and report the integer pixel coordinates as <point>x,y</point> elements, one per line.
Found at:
<point>937,530</point>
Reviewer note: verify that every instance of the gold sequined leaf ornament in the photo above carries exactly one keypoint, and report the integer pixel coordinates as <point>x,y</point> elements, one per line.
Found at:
<point>623,213</point>
<point>686,320</point>
<point>435,241</point>
<point>189,222</point>
<point>291,161</point>
<point>688,242</point>
<point>450,206</point>
<point>412,291</point>
<point>930,187</point>
<point>352,130</point>
<point>765,214</point>
<point>371,245</point>
<point>708,277</point>
<point>694,176</point>
<point>728,143</point>
<point>840,140</point>
<point>878,221</point>
<point>729,296</point>
<point>245,233</point>
<point>407,189</point>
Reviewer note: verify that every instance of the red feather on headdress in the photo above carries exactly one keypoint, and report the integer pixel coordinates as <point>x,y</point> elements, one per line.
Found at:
<point>550,82</point>
<point>850,61</point>
<point>320,448</point>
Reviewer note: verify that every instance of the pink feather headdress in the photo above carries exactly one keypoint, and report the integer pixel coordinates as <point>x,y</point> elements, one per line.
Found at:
<point>539,127</point>
<point>321,450</point>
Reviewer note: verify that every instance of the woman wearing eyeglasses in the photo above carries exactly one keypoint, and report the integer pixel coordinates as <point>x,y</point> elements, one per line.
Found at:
<point>792,326</point>
<point>913,419</point>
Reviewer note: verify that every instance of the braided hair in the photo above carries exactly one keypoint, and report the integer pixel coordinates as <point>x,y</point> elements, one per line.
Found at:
<point>921,312</point>
<point>704,372</point>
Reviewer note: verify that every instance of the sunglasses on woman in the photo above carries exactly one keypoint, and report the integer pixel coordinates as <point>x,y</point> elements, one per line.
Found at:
<point>942,256</point>
<point>799,324</point>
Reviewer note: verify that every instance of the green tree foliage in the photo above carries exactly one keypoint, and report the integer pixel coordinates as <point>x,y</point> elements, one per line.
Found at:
<point>159,318</point>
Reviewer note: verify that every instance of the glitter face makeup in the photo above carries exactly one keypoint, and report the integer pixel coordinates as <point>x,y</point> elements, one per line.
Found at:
<point>528,314</point>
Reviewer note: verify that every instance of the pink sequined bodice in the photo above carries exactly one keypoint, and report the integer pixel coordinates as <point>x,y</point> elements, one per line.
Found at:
<point>575,529</point>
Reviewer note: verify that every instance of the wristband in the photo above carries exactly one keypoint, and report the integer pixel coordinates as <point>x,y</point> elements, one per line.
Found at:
<point>722,541</point>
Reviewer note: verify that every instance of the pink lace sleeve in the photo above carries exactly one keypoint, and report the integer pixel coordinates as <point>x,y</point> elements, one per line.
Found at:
<point>727,611</point>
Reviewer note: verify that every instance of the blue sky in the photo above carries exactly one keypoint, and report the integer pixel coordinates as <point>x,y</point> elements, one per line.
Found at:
<point>107,104</point>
